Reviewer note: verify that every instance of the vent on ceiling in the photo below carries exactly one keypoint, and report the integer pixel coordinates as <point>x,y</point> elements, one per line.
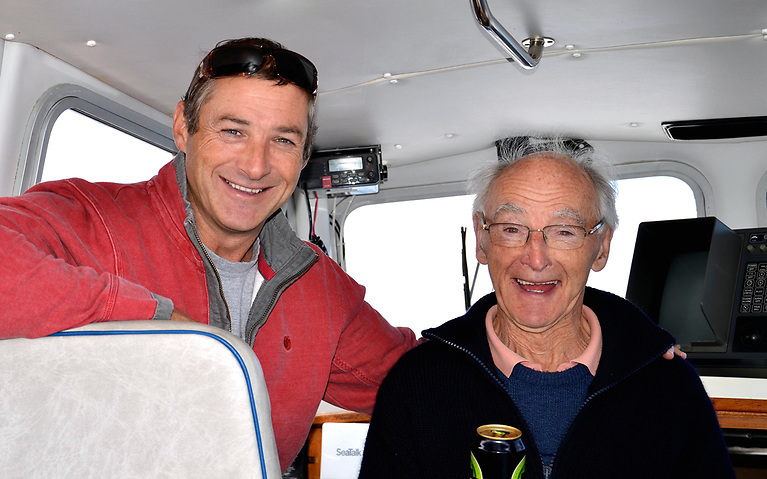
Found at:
<point>716,129</point>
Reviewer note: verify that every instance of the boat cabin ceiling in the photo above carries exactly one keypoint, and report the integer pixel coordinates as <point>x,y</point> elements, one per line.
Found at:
<point>422,78</point>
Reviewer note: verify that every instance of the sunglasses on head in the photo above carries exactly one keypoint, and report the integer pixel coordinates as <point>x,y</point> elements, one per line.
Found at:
<point>247,60</point>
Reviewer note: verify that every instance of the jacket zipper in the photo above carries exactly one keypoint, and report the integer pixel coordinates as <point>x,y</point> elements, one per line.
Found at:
<point>215,271</point>
<point>277,293</point>
<point>549,470</point>
<point>472,356</point>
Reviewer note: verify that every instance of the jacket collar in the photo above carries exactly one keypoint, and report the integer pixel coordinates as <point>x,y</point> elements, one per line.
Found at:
<point>630,339</point>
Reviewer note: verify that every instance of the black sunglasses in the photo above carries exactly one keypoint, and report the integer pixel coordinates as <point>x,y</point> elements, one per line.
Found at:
<point>246,60</point>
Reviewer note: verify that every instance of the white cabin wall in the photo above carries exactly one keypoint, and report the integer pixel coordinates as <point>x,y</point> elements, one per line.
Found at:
<point>26,74</point>
<point>444,170</point>
<point>428,179</point>
<point>735,171</point>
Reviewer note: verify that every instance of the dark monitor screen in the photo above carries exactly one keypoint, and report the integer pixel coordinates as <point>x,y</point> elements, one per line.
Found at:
<point>680,309</point>
<point>683,276</point>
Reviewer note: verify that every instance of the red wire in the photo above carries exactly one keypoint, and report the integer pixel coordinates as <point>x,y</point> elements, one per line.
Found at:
<point>316,203</point>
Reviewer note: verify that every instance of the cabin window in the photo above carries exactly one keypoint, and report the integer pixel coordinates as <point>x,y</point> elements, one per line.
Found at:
<point>80,146</point>
<point>650,198</point>
<point>79,133</point>
<point>408,253</point>
<point>408,256</point>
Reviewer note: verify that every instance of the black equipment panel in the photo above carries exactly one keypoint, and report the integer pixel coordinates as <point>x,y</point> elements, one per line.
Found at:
<point>750,328</point>
<point>344,168</point>
<point>707,285</point>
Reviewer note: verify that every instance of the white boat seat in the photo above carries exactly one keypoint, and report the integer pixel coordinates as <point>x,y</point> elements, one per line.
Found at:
<point>134,399</point>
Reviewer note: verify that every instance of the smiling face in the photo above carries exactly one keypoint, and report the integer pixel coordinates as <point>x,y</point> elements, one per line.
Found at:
<point>539,287</point>
<point>244,160</point>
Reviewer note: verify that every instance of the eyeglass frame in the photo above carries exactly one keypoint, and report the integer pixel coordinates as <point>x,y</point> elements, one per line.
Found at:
<point>208,69</point>
<point>486,227</point>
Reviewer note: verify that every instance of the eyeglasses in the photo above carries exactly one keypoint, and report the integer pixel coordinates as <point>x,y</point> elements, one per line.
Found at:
<point>247,60</point>
<point>512,235</point>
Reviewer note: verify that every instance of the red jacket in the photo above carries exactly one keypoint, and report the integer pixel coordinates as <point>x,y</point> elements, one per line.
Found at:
<point>76,252</point>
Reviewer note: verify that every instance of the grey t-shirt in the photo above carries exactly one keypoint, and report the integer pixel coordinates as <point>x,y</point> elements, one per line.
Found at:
<point>240,282</point>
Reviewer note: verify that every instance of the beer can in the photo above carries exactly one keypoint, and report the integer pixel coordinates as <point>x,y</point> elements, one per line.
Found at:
<point>497,452</point>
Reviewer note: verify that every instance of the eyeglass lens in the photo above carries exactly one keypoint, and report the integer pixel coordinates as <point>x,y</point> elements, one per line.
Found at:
<point>556,236</point>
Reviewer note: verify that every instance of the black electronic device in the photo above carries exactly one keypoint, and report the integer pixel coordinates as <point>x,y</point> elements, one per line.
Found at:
<point>706,284</point>
<point>345,171</point>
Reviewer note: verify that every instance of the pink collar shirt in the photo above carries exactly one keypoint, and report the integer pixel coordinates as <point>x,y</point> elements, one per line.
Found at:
<point>505,359</point>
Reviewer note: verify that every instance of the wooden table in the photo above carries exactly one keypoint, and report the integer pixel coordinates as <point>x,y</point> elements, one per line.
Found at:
<point>741,413</point>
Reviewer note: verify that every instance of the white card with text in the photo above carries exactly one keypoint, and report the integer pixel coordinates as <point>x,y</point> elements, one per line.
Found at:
<point>342,446</point>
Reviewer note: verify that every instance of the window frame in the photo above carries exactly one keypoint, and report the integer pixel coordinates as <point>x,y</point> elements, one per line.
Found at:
<point>698,183</point>
<point>86,102</point>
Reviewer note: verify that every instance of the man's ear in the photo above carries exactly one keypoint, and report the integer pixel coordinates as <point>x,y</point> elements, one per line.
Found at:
<point>180,130</point>
<point>481,256</point>
<point>604,250</point>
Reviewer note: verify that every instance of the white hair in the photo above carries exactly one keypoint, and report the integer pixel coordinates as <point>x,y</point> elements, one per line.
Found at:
<point>597,167</point>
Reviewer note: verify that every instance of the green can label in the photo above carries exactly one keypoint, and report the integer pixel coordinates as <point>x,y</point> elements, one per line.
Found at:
<point>497,453</point>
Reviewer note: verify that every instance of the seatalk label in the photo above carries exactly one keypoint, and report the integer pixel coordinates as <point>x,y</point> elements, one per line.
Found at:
<point>342,447</point>
<point>349,452</point>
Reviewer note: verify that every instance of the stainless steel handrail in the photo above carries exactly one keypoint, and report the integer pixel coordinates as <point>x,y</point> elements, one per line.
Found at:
<point>526,59</point>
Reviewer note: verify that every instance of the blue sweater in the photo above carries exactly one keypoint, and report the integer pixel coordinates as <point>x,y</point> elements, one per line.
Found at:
<point>644,416</point>
<point>548,402</point>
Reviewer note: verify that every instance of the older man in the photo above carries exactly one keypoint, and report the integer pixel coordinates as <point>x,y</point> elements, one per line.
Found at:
<point>206,240</point>
<point>578,371</point>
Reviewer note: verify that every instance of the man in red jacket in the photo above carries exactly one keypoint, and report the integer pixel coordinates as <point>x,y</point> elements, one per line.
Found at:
<point>205,240</point>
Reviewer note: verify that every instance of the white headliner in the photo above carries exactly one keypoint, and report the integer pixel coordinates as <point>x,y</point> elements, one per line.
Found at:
<point>643,62</point>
